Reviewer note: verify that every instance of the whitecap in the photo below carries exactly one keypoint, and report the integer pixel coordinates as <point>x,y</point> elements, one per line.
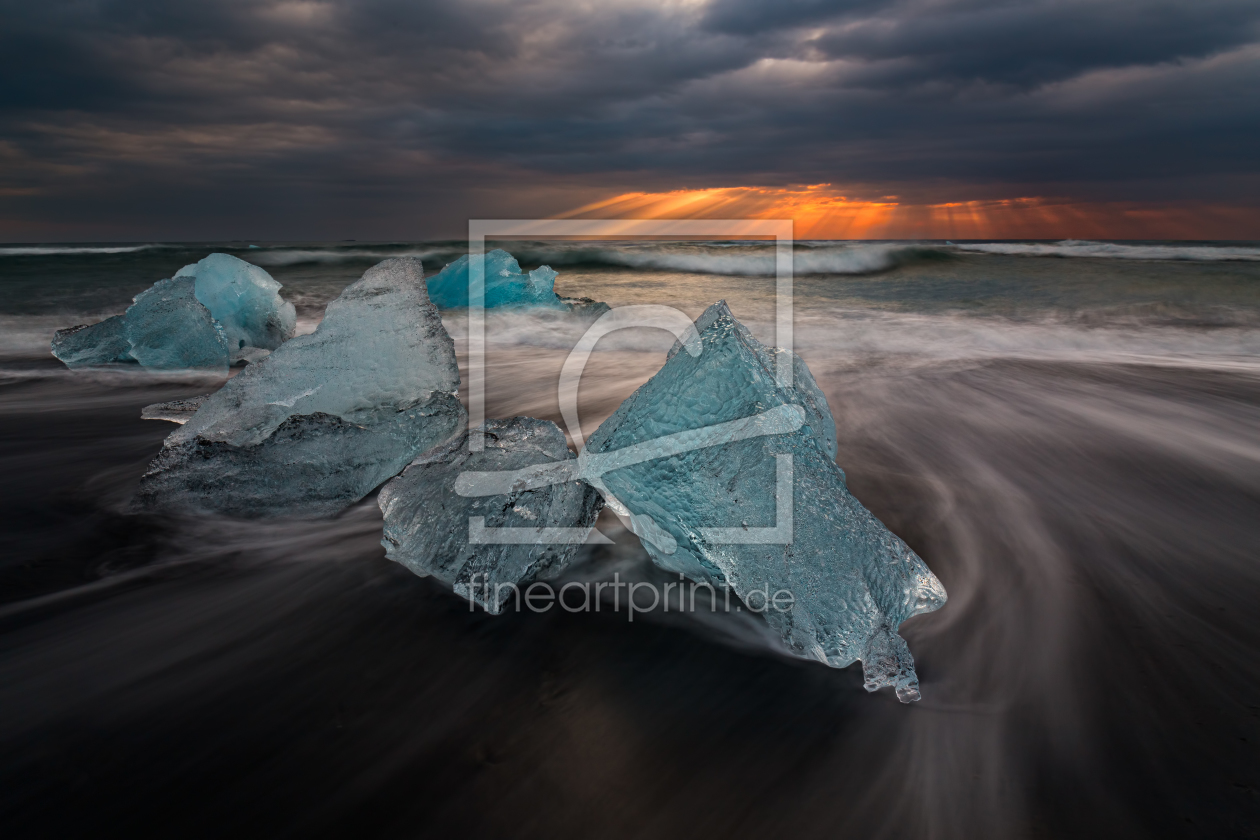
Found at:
<point>1117,251</point>
<point>55,250</point>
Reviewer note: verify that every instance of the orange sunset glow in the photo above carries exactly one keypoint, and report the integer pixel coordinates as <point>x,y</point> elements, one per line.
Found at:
<point>821,211</point>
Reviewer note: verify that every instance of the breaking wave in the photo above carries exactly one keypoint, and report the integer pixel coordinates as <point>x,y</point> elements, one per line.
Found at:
<point>61,250</point>
<point>300,256</point>
<point>740,257</point>
<point>755,259</point>
<point>745,258</point>
<point>1117,251</point>
<point>840,337</point>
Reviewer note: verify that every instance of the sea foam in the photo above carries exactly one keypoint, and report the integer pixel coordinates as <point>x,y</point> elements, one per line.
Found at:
<point>1116,251</point>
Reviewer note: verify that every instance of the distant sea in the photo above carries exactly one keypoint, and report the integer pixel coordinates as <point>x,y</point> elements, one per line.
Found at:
<point>1066,432</point>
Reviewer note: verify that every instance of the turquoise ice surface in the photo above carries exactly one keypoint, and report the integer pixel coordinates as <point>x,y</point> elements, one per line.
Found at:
<point>244,299</point>
<point>104,343</point>
<point>847,581</point>
<point>169,329</point>
<point>505,284</point>
<point>212,313</point>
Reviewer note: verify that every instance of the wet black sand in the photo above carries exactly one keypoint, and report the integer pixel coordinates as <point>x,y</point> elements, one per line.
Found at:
<point>1096,672</point>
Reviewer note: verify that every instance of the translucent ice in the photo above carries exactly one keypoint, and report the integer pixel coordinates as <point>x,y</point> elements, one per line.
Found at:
<point>721,503</point>
<point>505,285</point>
<point>584,306</point>
<point>428,527</point>
<point>244,299</point>
<point>326,417</point>
<point>212,313</point>
<point>168,328</point>
<point>175,411</point>
<point>99,344</point>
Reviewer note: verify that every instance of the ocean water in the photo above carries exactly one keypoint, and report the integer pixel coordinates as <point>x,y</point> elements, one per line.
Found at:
<point>1065,432</point>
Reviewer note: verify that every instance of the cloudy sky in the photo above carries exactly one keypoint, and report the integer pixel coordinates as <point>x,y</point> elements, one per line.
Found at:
<point>385,119</point>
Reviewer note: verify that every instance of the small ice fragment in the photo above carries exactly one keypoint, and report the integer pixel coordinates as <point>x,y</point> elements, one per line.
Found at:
<point>169,329</point>
<point>521,536</point>
<point>505,285</point>
<point>585,306</point>
<point>175,411</point>
<point>852,582</point>
<point>99,344</point>
<point>324,419</point>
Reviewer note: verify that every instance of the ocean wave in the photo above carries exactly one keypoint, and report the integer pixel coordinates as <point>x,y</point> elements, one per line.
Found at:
<point>300,256</point>
<point>843,336</point>
<point>757,258</point>
<point>525,352</point>
<point>746,259</point>
<point>838,335</point>
<point>1116,251</point>
<point>30,336</point>
<point>63,250</point>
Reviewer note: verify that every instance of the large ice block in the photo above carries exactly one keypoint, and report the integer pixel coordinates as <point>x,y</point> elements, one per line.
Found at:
<point>432,530</point>
<point>245,300</point>
<point>505,285</point>
<point>104,343</point>
<point>326,417</point>
<point>169,329</point>
<point>727,507</point>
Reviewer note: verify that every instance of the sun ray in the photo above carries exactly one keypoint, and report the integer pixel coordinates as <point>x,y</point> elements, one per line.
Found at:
<point>824,211</point>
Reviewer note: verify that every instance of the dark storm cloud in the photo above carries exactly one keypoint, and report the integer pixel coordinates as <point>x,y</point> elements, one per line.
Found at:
<point>396,118</point>
<point>752,17</point>
<point>1033,43</point>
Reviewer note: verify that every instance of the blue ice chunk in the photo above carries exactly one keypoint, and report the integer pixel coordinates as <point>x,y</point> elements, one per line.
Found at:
<point>486,547</point>
<point>104,343</point>
<point>169,329</point>
<point>732,510</point>
<point>245,300</point>
<point>326,417</point>
<point>506,284</point>
<point>220,304</point>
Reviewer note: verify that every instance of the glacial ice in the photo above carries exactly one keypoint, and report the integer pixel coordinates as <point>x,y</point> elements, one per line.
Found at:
<point>250,355</point>
<point>99,344</point>
<point>701,511</point>
<point>175,411</point>
<point>245,300</point>
<point>326,417</point>
<point>428,527</point>
<point>505,285</point>
<point>169,329</point>
<point>584,306</point>
<point>211,314</point>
